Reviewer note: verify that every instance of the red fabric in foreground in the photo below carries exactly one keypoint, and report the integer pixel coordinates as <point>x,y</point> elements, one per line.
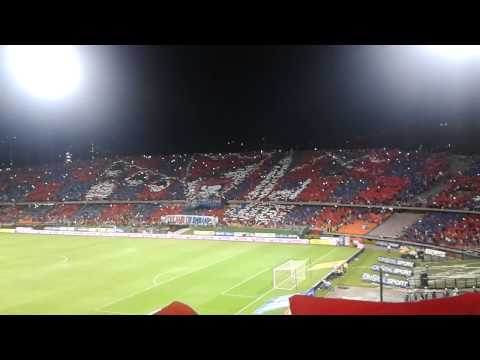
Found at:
<point>467,304</point>
<point>176,308</point>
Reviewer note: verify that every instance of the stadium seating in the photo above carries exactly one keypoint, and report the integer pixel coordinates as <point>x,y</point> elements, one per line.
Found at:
<point>355,176</point>
<point>8,214</point>
<point>31,215</point>
<point>115,214</point>
<point>257,214</point>
<point>88,215</point>
<point>462,192</point>
<point>156,215</point>
<point>452,230</point>
<point>61,214</point>
<point>350,176</point>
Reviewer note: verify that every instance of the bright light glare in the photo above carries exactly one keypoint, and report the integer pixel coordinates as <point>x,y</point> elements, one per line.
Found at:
<point>45,71</point>
<point>456,52</point>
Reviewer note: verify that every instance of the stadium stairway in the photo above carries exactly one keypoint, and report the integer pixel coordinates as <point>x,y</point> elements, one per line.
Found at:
<point>396,224</point>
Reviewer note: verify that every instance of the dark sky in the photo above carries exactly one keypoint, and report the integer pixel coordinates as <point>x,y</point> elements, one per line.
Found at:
<point>152,99</point>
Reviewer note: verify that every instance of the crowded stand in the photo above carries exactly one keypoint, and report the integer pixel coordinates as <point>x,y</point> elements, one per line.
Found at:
<point>116,214</point>
<point>318,218</point>
<point>8,215</point>
<point>87,215</point>
<point>31,215</point>
<point>61,214</point>
<point>462,191</point>
<point>364,176</point>
<point>447,229</point>
<point>378,176</point>
<point>337,219</point>
<point>257,215</point>
<point>156,215</point>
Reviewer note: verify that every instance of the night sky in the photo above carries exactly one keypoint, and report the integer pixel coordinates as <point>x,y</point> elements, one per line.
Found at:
<point>156,99</point>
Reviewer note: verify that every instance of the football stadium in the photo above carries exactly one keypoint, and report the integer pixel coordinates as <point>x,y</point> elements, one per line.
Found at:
<point>267,230</point>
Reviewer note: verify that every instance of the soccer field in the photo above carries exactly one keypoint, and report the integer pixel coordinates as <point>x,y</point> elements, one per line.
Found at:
<point>54,274</point>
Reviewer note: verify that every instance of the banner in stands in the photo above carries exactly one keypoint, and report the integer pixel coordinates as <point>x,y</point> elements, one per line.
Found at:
<point>191,220</point>
<point>224,233</point>
<point>324,241</point>
<point>386,280</point>
<point>343,241</point>
<point>7,230</point>
<point>240,234</point>
<point>392,270</point>
<point>398,262</point>
<point>164,236</point>
<point>61,228</point>
<point>387,244</point>
<point>286,236</point>
<point>433,252</point>
<point>264,234</point>
<point>203,232</point>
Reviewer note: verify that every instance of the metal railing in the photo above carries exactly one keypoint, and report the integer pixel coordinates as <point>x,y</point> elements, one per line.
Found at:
<point>404,207</point>
<point>447,283</point>
<point>330,274</point>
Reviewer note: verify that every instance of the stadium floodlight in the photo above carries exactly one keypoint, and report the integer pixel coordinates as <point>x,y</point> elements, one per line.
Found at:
<point>46,71</point>
<point>290,274</point>
<point>456,52</point>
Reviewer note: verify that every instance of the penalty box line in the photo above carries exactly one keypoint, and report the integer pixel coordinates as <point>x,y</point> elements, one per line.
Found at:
<point>270,290</point>
<point>156,284</point>
<point>225,293</point>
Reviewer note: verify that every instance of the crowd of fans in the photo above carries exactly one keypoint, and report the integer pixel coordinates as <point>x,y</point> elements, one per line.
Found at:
<point>363,176</point>
<point>377,176</point>
<point>447,229</point>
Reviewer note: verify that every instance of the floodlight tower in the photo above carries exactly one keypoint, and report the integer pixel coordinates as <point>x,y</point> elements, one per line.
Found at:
<point>46,72</point>
<point>49,72</point>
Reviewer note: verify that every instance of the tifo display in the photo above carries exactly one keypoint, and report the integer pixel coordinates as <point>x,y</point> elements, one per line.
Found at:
<point>265,189</point>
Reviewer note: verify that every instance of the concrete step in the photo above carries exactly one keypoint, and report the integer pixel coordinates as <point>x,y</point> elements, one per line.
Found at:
<point>396,224</point>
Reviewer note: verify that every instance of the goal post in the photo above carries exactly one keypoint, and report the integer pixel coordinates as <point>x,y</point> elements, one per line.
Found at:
<point>290,275</point>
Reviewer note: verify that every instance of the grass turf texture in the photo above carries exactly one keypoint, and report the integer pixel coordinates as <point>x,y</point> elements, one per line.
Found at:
<point>363,264</point>
<point>54,274</point>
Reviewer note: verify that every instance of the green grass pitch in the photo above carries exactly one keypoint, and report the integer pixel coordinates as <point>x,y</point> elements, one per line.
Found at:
<point>54,274</point>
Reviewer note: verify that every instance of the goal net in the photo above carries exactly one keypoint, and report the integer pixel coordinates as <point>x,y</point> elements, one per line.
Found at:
<point>290,274</point>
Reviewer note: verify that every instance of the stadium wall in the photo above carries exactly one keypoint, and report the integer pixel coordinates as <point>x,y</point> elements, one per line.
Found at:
<point>107,233</point>
<point>467,304</point>
<point>376,239</point>
<point>239,202</point>
<point>312,290</point>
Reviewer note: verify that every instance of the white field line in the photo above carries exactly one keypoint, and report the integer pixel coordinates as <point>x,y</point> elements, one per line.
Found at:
<point>154,311</point>
<point>246,280</point>
<point>167,281</point>
<point>314,262</point>
<point>270,290</point>
<point>112,312</point>
<point>254,301</point>
<point>64,258</point>
<point>160,274</point>
<point>240,296</point>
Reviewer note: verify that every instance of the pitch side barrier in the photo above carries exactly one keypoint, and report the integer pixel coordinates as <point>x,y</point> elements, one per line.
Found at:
<point>23,230</point>
<point>381,207</point>
<point>318,284</point>
<point>238,202</point>
<point>463,252</point>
